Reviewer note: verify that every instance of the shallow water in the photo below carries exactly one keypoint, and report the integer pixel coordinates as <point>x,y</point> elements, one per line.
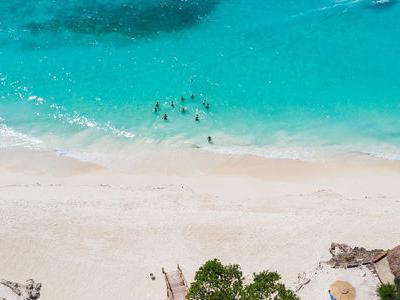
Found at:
<point>282,78</point>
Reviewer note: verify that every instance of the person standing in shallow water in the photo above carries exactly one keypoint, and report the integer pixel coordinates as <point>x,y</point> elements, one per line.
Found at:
<point>209,139</point>
<point>196,118</point>
<point>172,104</point>
<point>156,107</point>
<point>165,117</point>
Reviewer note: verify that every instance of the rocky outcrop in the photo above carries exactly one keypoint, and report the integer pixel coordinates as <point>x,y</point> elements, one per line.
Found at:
<point>393,258</point>
<point>14,291</point>
<point>384,263</point>
<point>344,256</point>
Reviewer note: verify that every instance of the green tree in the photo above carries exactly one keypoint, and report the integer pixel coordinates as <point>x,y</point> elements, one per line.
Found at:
<point>389,292</point>
<point>266,286</point>
<point>214,281</point>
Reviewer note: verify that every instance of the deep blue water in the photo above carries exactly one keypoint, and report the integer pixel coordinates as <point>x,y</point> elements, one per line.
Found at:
<point>282,78</point>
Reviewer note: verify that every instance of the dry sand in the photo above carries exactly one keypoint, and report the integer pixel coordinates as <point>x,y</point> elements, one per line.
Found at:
<point>88,232</point>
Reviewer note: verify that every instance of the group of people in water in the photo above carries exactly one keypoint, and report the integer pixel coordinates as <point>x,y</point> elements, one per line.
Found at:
<point>183,110</point>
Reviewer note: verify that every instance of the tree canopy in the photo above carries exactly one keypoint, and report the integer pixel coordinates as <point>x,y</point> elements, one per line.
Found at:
<point>389,292</point>
<point>215,281</point>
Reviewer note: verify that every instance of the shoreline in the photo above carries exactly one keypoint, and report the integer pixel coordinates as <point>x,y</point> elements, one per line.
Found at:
<point>181,161</point>
<point>64,220</point>
<point>113,148</point>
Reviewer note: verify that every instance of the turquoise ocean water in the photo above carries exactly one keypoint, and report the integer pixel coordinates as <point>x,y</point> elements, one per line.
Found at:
<point>283,78</point>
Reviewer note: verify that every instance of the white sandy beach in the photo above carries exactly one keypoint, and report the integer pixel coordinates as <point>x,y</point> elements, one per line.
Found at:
<point>88,232</point>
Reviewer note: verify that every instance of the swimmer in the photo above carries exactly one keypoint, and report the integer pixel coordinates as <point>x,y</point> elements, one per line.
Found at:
<point>204,102</point>
<point>183,99</point>
<point>209,139</point>
<point>183,109</point>
<point>192,96</point>
<point>172,104</point>
<point>165,117</point>
<point>207,106</point>
<point>157,104</point>
<point>155,109</point>
<point>196,118</point>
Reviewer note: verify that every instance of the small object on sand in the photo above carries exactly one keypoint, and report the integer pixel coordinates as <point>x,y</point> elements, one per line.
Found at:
<point>209,139</point>
<point>196,118</point>
<point>152,276</point>
<point>192,96</point>
<point>165,117</point>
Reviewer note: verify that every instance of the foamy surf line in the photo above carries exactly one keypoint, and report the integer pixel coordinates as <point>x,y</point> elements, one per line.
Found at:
<point>142,151</point>
<point>106,152</point>
<point>305,154</point>
<point>12,138</point>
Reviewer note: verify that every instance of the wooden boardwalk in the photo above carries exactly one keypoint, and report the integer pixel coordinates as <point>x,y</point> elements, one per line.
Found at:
<point>177,287</point>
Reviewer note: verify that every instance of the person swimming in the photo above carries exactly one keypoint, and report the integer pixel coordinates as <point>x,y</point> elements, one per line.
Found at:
<point>183,99</point>
<point>207,106</point>
<point>165,117</point>
<point>172,104</point>
<point>192,96</point>
<point>155,109</point>
<point>204,102</point>
<point>209,139</point>
<point>196,118</point>
<point>183,109</point>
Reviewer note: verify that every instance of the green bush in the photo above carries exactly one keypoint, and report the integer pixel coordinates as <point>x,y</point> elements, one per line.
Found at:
<point>214,281</point>
<point>265,286</point>
<point>389,292</point>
